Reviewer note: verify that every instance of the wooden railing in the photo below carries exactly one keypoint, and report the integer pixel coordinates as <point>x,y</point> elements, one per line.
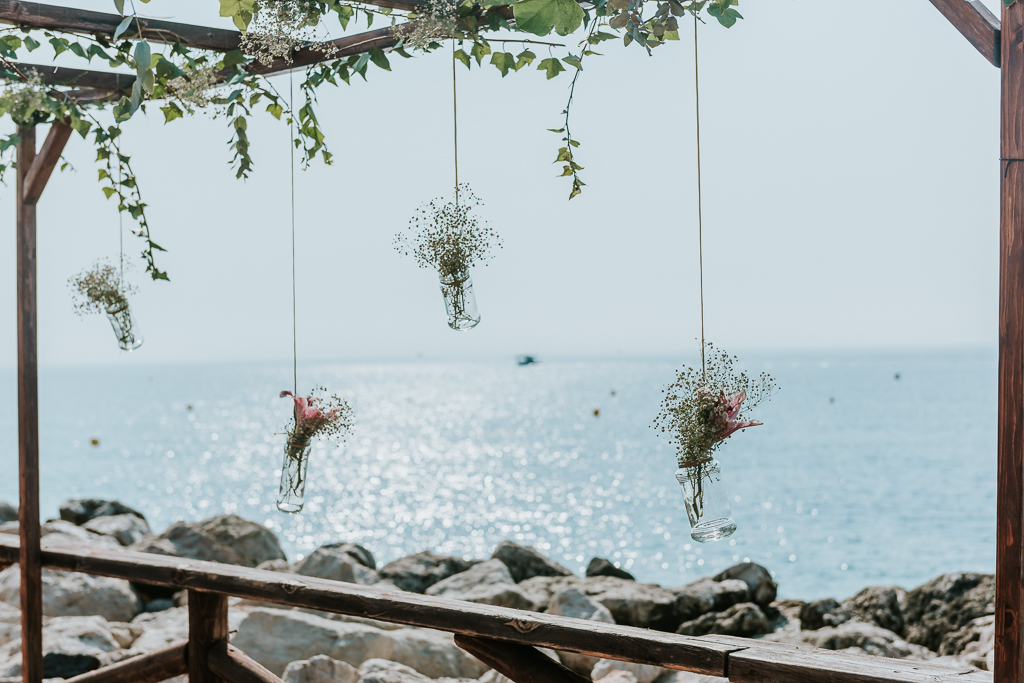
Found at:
<point>504,639</point>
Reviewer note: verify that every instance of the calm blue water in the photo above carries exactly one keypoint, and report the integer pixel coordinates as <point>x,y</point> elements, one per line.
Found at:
<point>855,479</point>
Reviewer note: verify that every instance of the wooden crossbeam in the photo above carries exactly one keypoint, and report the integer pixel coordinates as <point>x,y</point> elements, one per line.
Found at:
<point>78,78</point>
<point>521,663</point>
<point>150,668</point>
<point>234,666</point>
<point>46,160</point>
<point>207,625</point>
<point>977,24</point>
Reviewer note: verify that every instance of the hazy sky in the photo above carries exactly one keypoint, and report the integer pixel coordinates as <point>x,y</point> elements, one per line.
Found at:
<point>850,200</point>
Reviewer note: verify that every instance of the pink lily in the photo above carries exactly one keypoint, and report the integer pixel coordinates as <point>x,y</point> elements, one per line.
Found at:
<point>730,409</point>
<point>301,403</point>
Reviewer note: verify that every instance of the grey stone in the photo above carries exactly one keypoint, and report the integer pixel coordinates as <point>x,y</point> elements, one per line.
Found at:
<point>606,669</point>
<point>74,594</point>
<point>857,636</point>
<point>602,567</point>
<point>758,579</point>
<point>524,562</point>
<point>646,605</point>
<point>159,605</point>
<point>946,604</point>
<point>185,540</point>
<point>708,595</point>
<point>8,513</point>
<point>337,563</point>
<point>822,613</point>
<point>974,643</point>
<point>571,602</point>
<point>489,583</point>
<point>744,620</point>
<point>383,671</point>
<point>877,605</point>
<point>253,543</point>
<point>320,669</point>
<point>416,573</point>
<point>73,644</point>
<point>81,510</point>
<point>125,529</point>
<point>275,566</point>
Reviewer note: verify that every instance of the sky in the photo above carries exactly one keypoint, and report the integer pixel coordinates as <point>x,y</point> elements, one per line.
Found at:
<point>850,200</point>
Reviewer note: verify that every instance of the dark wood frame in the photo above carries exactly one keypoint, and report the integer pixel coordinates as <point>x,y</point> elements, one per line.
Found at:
<point>505,639</point>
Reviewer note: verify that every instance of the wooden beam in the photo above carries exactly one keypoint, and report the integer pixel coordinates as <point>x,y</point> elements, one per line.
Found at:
<point>609,641</point>
<point>42,168</point>
<point>521,663</point>
<point>234,666</point>
<point>359,43</point>
<point>1009,641</point>
<point>150,668</point>
<point>977,24</point>
<point>78,78</point>
<point>207,624</point>
<point>28,424</point>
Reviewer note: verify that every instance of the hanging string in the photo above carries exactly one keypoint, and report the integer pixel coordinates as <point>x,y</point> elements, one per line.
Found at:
<point>700,219</point>
<point>291,145</point>
<point>120,215</point>
<point>455,124</point>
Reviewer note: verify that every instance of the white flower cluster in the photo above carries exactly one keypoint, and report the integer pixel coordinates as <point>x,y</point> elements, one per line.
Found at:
<point>435,23</point>
<point>279,26</point>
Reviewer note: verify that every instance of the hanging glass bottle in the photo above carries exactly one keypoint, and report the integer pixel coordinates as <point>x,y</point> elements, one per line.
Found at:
<point>120,317</point>
<point>707,501</point>
<point>292,493</point>
<point>460,301</point>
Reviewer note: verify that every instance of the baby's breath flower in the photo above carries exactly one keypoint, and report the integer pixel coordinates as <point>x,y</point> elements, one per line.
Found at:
<point>437,21</point>
<point>22,99</point>
<point>279,26</point>
<point>195,89</point>
<point>98,289</point>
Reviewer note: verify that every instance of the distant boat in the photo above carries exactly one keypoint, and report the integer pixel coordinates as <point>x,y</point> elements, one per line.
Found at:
<point>526,360</point>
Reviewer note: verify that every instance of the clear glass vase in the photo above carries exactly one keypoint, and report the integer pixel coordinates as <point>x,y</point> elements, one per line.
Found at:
<point>120,317</point>
<point>292,493</point>
<point>460,301</point>
<point>707,502</point>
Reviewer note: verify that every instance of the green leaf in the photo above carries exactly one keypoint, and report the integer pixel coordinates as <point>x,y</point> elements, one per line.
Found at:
<point>573,60</point>
<point>479,51</point>
<point>109,191</point>
<point>462,57</point>
<point>378,57</point>
<point>171,111</point>
<point>503,61</point>
<point>552,66</point>
<point>540,17</point>
<point>122,27</point>
<point>275,110</point>
<point>119,4</point>
<point>58,45</point>
<point>30,43</point>
<point>143,56</point>
<point>233,58</point>
<point>525,58</point>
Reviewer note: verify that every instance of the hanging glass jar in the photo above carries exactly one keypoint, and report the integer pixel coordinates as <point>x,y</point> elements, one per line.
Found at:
<point>292,493</point>
<point>707,502</point>
<point>120,318</point>
<point>460,301</point>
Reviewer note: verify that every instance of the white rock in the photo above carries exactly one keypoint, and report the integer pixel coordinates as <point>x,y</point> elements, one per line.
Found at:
<point>619,676</point>
<point>169,627</point>
<point>89,636</point>
<point>571,602</point>
<point>688,677</point>
<point>643,673</point>
<point>489,583</point>
<point>384,671</point>
<point>10,623</point>
<point>320,669</point>
<point>125,529</point>
<point>59,531</point>
<point>74,594</point>
<point>337,565</point>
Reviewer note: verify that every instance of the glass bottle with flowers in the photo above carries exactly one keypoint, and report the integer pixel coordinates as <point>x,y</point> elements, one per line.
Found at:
<point>102,289</point>
<point>701,409</point>
<point>314,416</point>
<point>449,238</point>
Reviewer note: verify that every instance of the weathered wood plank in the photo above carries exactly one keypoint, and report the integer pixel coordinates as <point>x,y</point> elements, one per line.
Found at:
<point>609,641</point>
<point>151,668</point>
<point>976,23</point>
<point>1009,660</point>
<point>359,43</point>
<point>207,624</point>
<point>79,78</point>
<point>234,666</point>
<point>42,167</point>
<point>521,663</point>
<point>28,423</point>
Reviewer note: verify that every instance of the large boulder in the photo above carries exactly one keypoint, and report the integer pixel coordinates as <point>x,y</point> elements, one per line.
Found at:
<point>974,643</point>
<point>74,594</point>
<point>878,605</point>
<point>822,613</point>
<point>125,529</point>
<point>8,513</point>
<point>185,540</point>
<point>275,637</point>
<point>59,531</point>
<point>416,573</point>
<point>758,579</point>
<point>71,646</point>
<point>646,605</point>
<point>744,620</point>
<point>339,562</point>
<point>858,637</point>
<point>383,671</point>
<point>708,595</point>
<point>489,583</point>
<point>607,669</point>
<point>601,567</point>
<point>10,623</point>
<point>524,562</point>
<point>946,604</point>
<point>157,630</point>
<point>253,543</point>
<point>82,510</point>
<point>320,669</point>
<point>571,602</point>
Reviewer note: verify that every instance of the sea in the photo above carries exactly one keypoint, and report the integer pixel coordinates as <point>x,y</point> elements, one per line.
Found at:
<point>869,469</point>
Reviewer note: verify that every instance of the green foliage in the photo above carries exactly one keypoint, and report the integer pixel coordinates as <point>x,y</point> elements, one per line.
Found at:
<point>540,17</point>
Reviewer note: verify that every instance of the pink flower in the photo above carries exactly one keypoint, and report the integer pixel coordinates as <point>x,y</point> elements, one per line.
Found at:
<point>301,404</point>
<point>730,407</point>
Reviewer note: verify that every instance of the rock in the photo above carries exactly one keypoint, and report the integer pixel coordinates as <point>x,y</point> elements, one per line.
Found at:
<point>167,627</point>
<point>524,562</point>
<point>618,675</point>
<point>71,646</point>
<point>10,623</point>
<point>744,620</point>
<point>59,531</point>
<point>822,613</point>
<point>644,673</point>
<point>602,567</point>
<point>8,513</point>
<point>159,605</point>
<point>689,677</point>
<point>74,594</point>
<point>320,669</point>
<point>124,634</point>
<point>383,671</point>
<point>862,637</point>
<point>878,605</point>
<point>275,637</point>
<point>973,643</point>
<point>488,583</point>
<point>126,529</point>
<point>275,566</point>
<point>784,615</point>
<point>416,573</point>
<point>946,604</point>
<point>82,510</point>
<point>337,563</point>
<point>646,605</point>
<point>707,595</point>
<point>253,543</point>
<point>571,602</point>
<point>9,528</point>
<point>758,579</point>
<point>185,540</point>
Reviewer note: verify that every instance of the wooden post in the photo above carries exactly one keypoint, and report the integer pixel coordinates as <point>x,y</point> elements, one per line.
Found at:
<point>207,624</point>
<point>1009,662</point>
<point>29,556</point>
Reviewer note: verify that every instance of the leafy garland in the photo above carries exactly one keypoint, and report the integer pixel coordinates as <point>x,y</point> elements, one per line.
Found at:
<point>186,79</point>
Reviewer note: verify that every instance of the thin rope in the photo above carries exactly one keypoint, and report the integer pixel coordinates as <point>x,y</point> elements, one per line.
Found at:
<point>455,124</point>
<point>700,219</point>
<point>120,214</point>
<point>291,145</point>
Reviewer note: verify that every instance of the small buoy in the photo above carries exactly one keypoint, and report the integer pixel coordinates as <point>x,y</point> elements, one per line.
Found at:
<point>596,412</point>
<point>94,441</point>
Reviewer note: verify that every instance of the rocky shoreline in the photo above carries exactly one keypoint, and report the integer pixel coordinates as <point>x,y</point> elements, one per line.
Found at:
<point>91,622</point>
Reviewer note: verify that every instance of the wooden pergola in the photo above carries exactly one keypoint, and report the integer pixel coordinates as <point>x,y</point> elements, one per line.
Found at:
<point>503,638</point>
